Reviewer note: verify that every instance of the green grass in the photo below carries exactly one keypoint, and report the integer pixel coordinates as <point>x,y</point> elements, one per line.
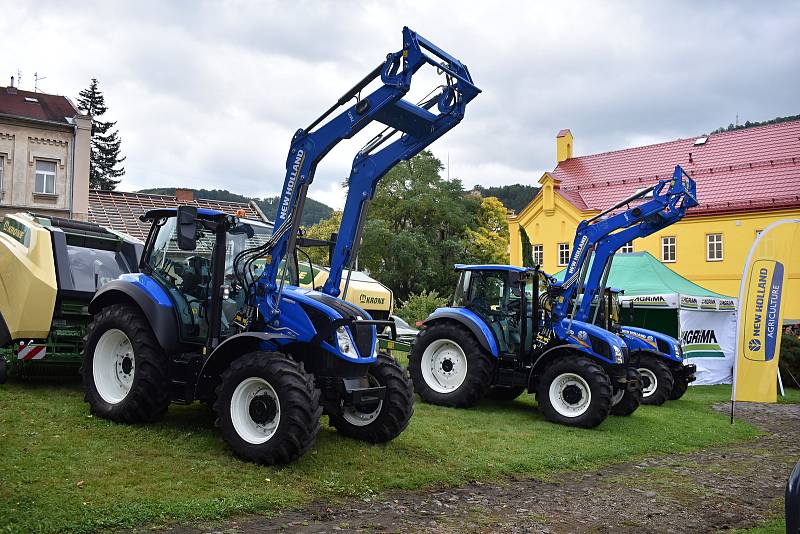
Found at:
<point>62,470</point>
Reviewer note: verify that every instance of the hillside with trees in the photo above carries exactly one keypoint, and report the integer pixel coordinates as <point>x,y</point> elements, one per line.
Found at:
<point>747,124</point>
<point>514,197</point>
<point>313,213</point>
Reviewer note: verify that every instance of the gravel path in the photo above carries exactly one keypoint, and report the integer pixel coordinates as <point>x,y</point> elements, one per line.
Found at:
<point>732,486</point>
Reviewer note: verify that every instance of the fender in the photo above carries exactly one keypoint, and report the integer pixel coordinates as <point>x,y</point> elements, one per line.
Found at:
<point>471,320</point>
<point>226,352</point>
<point>552,350</point>
<point>151,299</point>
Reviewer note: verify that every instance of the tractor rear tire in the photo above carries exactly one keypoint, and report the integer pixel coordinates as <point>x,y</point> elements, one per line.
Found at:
<point>449,367</point>
<point>505,393</point>
<point>629,401</point>
<point>393,413</point>
<point>268,408</point>
<point>574,391</point>
<point>125,372</point>
<point>656,379</point>
<point>679,387</point>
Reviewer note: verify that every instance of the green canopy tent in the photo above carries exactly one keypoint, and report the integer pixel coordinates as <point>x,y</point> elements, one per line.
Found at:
<point>657,298</point>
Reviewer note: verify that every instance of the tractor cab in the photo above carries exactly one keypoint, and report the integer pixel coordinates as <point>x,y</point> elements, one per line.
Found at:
<point>505,298</point>
<point>185,265</point>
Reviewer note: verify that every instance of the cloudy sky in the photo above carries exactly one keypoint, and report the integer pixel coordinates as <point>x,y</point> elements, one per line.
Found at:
<point>208,94</point>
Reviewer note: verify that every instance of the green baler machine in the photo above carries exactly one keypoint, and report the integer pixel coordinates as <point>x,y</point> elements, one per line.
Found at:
<point>50,268</point>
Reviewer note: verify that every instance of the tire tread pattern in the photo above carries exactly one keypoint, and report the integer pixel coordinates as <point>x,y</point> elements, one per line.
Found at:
<point>299,400</point>
<point>149,397</point>
<point>397,408</point>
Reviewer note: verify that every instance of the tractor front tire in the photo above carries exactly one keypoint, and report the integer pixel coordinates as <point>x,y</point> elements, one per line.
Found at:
<point>679,387</point>
<point>505,393</point>
<point>574,391</point>
<point>449,367</point>
<point>626,401</point>
<point>125,372</point>
<point>268,408</point>
<point>393,413</point>
<point>656,380</point>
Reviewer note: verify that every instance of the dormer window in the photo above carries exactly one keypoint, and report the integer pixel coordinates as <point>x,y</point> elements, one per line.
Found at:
<point>31,100</point>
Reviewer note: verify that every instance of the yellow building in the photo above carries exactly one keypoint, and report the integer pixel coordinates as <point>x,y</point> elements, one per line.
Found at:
<point>746,179</point>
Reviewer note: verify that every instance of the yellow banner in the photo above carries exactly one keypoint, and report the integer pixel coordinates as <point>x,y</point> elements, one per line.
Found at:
<point>762,298</point>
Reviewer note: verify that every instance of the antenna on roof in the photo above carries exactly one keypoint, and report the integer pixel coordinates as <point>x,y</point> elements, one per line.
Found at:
<point>36,80</point>
<point>19,78</point>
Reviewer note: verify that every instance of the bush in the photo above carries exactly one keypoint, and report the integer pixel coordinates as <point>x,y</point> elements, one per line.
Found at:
<point>789,362</point>
<point>420,305</point>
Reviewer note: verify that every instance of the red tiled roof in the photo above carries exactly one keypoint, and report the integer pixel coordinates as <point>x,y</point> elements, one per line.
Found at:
<point>53,108</point>
<point>120,211</point>
<point>752,168</point>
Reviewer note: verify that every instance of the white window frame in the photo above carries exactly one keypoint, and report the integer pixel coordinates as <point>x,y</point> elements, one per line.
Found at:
<point>2,172</point>
<point>563,254</point>
<point>669,244</point>
<point>709,243</point>
<point>45,174</point>
<point>537,251</point>
<point>627,248</point>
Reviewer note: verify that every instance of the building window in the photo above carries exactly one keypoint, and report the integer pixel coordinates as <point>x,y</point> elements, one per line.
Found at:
<point>563,253</point>
<point>627,248</point>
<point>668,248</point>
<point>2,168</point>
<point>713,247</point>
<point>538,254</point>
<point>45,177</point>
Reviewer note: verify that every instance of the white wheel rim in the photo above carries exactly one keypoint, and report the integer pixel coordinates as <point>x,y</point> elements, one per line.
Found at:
<point>113,366</point>
<point>249,391</point>
<point>617,397</point>
<point>649,378</point>
<point>444,366</point>
<point>570,395</point>
<point>356,417</point>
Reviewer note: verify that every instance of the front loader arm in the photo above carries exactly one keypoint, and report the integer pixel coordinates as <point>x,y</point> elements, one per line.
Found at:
<point>385,105</point>
<point>371,164</point>
<point>603,237</point>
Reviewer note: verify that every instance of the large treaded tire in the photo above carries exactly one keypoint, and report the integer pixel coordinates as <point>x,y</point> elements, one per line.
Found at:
<point>594,376</point>
<point>480,366</point>
<point>679,386</point>
<point>663,376</point>
<point>505,393</point>
<point>630,400</point>
<point>395,410</point>
<point>148,398</point>
<point>299,411</point>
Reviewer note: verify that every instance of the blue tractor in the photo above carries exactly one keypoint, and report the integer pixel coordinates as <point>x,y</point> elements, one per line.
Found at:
<point>215,313</point>
<point>663,372</point>
<point>513,328</point>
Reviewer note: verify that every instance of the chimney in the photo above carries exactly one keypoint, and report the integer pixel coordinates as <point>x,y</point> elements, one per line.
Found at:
<point>11,89</point>
<point>184,195</point>
<point>563,145</point>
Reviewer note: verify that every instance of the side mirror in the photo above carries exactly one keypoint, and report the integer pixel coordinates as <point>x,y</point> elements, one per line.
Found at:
<point>187,227</point>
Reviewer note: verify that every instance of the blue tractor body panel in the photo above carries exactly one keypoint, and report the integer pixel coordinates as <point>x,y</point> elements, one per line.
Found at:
<point>593,341</point>
<point>641,339</point>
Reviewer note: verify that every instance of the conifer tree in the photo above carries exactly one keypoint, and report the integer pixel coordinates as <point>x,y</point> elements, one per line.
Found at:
<point>105,158</point>
<point>527,248</point>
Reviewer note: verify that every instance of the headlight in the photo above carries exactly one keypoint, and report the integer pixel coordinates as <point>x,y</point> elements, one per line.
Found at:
<point>619,357</point>
<point>345,342</point>
<point>678,350</point>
